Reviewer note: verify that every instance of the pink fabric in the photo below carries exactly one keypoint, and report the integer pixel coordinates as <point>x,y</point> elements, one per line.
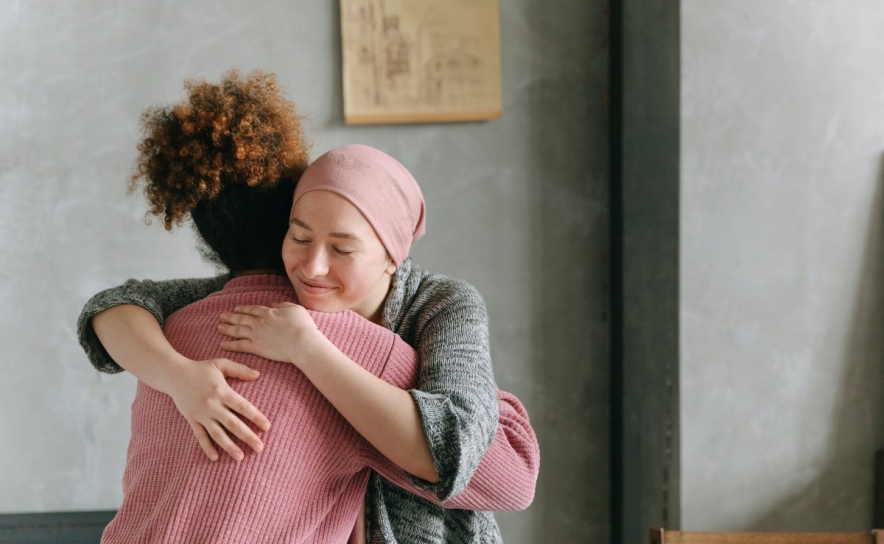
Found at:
<point>379,186</point>
<point>507,474</point>
<point>308,484</point>
<point>310,480</point>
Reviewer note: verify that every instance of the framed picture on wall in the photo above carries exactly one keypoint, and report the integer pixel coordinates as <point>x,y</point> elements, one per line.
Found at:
<point>427,61</point>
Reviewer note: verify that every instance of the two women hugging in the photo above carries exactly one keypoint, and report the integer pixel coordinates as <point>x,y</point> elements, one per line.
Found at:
<point>350,390</point>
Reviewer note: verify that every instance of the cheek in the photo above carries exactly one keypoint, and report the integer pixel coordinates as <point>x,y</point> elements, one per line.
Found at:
<point>347,273</point>
<point>353,278</point>
<point>289,254</point>
<point>361,277</point>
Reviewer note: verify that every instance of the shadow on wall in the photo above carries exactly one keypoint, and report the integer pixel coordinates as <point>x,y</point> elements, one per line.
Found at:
<point>840,499</point>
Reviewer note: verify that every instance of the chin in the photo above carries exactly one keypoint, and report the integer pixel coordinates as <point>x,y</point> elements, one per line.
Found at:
<point>328,307</point>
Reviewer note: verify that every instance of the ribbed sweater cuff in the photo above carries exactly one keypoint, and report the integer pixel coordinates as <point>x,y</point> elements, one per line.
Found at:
<point>104,300</point>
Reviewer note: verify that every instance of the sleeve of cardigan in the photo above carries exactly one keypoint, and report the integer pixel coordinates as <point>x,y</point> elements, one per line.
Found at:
<point>506,476</point>
<point>456,394</point>
<point>160,298</point>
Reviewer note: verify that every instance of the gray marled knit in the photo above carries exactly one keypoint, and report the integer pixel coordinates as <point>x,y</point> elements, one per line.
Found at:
<point>446,322</point>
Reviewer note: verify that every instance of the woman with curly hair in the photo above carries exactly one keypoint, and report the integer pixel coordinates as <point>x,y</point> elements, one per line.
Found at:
<point>462,443</point>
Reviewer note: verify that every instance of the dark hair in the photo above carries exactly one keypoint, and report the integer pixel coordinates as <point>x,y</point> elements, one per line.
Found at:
<point>230,156</point>
<point>244,226</point>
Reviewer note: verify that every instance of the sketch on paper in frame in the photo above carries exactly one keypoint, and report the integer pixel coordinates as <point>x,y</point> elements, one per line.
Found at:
<point>407,61</point>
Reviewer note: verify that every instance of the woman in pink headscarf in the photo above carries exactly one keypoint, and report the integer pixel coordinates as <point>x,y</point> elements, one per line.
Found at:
<point>356,212</point>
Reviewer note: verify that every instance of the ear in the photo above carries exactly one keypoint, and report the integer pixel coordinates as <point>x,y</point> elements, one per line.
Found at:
<point>391,266</point>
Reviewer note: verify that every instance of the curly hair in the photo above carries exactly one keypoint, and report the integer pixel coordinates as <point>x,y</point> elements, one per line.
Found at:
<point>240,131</point>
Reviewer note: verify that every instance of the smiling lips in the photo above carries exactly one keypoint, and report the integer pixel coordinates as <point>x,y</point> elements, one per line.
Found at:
<point>314,289</point>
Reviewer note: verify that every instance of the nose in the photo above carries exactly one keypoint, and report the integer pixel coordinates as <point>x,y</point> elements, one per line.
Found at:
<point>316,263</point>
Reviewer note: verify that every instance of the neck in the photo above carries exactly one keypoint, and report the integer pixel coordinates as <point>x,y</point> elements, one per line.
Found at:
<point>378,316</point>
<point>373,309</point>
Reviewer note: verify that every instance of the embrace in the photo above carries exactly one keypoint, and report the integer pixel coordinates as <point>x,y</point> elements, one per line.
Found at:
<point>350,392</point>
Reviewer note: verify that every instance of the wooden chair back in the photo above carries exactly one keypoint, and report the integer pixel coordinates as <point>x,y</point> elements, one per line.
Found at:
<point>662,536</point>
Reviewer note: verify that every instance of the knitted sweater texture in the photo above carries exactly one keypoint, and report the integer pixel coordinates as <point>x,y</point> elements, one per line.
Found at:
<point>308,483</point>
<point>483,447</point>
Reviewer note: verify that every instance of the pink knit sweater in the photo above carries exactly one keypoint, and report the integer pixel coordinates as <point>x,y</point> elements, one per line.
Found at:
<point>309,482</point>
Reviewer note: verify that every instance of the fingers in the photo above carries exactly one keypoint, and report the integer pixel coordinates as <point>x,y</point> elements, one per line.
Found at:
<point>203,438</point>
<point>237,403</point>
<point>224,421</point>
<point>255,310</point>
<point>236,331</point>
<point>242,431</point>
<point>219,435</point>
<point>212,408</point>
<point>232,369</point>
<point>282,305</point>
<point>247,410</point>
<point>234,318</point>
<point>239,346</point>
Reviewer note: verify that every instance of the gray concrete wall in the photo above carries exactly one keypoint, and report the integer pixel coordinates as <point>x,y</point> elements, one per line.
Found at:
<point>782,264</point>
<point>518,207</point>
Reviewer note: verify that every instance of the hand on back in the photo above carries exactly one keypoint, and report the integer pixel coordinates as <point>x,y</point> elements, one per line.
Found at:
<point>213,409</point>
<point>283,332</point>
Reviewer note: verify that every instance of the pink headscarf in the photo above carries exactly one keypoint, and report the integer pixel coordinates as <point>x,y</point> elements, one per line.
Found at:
<point>379,186</point>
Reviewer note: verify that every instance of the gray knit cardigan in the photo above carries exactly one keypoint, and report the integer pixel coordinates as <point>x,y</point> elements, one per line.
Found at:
<point>446,322</point>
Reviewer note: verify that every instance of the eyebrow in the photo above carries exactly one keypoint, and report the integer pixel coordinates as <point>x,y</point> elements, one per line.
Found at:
<point>343,235</point>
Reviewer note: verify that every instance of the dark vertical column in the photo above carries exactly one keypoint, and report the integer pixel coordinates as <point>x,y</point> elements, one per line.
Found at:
<point>644,260</point>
